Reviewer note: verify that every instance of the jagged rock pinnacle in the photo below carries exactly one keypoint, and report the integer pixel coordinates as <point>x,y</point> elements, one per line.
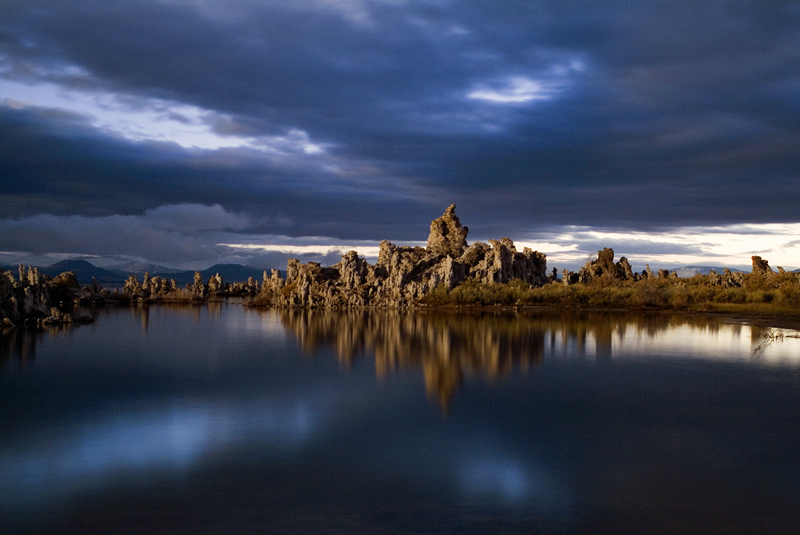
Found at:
<point>447,236</point>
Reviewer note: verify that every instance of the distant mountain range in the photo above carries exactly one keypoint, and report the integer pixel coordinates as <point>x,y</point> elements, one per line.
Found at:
<point>688,271</point>
<point>84,271</point>
<point>115,276</point>
<point>133,267</point>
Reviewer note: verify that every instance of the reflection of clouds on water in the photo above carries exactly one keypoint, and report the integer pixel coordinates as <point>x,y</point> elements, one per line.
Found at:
<point>87,454</point>
<point>489,474</point>
<point>109,419</point>
<point>502,478</point>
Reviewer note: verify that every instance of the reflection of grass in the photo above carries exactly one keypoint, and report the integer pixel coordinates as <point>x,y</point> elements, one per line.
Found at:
<point>774,335</point>
<point>181,295</point>
<point>775,295</point>
<point>771,336</point>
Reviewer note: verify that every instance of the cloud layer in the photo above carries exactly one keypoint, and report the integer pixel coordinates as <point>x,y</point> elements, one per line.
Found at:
<point>195,236</point>
<point>361,120</point>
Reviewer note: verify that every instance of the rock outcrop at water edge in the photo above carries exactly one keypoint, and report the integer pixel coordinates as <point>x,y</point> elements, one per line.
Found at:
<point>156,289</point>
<point>403,276</point>
<point>32,298</point>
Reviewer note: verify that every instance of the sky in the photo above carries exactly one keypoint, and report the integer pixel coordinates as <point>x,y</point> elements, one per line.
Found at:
<point>193,132</point>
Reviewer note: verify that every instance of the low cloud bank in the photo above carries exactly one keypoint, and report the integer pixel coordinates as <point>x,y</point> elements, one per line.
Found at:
<point>195,236</point>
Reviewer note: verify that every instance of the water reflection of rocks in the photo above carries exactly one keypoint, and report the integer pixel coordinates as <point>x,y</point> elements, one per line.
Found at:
<point>451,346</point>
<point>22,343</point>
<point>446,347</point>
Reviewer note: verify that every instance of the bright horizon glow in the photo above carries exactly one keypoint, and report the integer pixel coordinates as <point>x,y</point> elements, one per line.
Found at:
<point>214,235</point>
<point>721,246</point>
<point>730,245</point>
<point>369,251</point>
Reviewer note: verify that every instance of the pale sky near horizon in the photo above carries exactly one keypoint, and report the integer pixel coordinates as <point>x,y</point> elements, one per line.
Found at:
<point>187,133</point>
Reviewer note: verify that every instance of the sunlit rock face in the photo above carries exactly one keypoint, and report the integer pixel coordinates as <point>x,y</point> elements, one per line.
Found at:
<point>67,280</point>
<point>604,268</point>
<point>31,299</point>
<point>403,276</point>
<point>761,267</point>
<point>447,236</point>
<point>215,285</point>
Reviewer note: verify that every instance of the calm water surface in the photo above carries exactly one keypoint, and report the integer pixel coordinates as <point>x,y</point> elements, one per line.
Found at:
<point>221,419</point>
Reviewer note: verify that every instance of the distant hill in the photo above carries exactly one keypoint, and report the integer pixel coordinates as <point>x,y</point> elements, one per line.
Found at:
<point>115,276</point>
<point>688,271</point>
<point>233,272</point>
<point>229,272</point>
<point>138,268</point>
<point>84,271</point>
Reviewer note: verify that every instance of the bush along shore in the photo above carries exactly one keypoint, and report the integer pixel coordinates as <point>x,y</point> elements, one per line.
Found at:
<point>446,273</point>
<point>763,291</point>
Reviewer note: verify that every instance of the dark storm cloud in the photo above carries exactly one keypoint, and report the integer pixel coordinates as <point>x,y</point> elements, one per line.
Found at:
<point>53,162</point>
<point>639,115</point>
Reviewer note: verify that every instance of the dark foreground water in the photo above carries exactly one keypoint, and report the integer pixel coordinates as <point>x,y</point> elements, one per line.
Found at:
<point>220,419</point>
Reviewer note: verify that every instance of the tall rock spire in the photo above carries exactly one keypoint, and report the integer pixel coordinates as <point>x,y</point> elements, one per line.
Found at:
<point>447,236</point>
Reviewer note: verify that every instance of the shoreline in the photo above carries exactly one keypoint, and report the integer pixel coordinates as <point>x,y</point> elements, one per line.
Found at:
<point>780,320</point>
<point>448,274</point>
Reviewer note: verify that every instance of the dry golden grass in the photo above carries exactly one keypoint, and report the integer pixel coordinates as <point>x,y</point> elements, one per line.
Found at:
<point>775,295</point>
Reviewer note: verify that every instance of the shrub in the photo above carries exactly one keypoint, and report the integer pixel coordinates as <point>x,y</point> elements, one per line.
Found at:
<point>790,294</point>
<point>289,288</point>
<point>731,295</point>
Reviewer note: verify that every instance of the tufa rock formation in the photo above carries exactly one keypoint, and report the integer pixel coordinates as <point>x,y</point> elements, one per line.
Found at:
<point>447,236</point>
<point>156,289</point>
<point>31,299</point>
<point>403,276</point>
<point>761,267</point>
<point>603,269</point>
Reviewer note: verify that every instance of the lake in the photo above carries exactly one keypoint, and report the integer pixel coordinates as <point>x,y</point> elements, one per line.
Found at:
<point>223,419</point>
